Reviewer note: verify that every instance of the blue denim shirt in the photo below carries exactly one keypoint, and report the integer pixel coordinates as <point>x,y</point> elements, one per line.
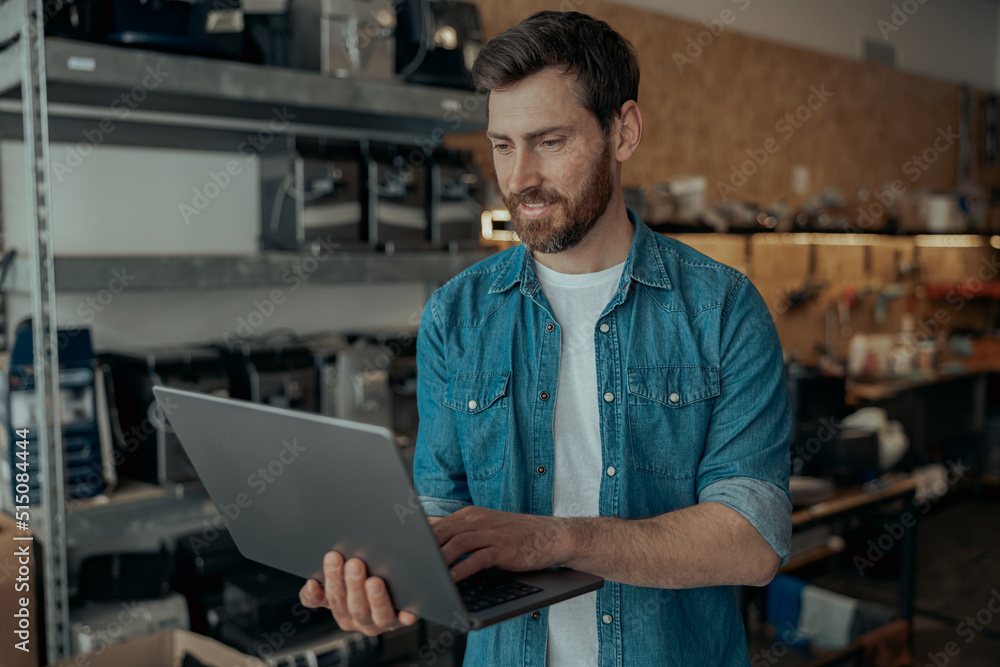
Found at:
<point>698,412</point>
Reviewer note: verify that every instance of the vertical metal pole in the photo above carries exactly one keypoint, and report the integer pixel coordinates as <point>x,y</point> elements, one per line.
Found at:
<point>908,571</point>
<point>44,334</point>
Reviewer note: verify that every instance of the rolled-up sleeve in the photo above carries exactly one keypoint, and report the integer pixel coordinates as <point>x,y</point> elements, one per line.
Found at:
<point>438,470</point>
<point>745,464</point>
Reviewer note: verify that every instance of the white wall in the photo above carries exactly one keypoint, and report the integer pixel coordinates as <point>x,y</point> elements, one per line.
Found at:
<point>124,201</point>
<point>955,40</point>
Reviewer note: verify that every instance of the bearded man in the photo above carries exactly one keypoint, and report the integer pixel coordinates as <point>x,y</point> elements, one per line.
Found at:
<point>599,397</point>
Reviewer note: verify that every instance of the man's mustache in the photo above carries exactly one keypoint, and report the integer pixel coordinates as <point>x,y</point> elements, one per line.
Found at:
<point>514,201</point>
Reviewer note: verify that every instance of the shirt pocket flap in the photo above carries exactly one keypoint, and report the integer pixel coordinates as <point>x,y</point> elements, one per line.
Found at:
<point>474,393</point>
<point>674,386</point>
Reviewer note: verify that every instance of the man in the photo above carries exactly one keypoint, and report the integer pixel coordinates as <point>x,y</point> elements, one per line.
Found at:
<point>599,397</point>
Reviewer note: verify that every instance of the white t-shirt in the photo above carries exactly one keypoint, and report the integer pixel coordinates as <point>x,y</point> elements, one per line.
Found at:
<point>577,301</point>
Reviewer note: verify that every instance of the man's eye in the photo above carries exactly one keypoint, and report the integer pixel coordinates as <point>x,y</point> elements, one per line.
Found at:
<point>552,143</point>
<point>501,147</point>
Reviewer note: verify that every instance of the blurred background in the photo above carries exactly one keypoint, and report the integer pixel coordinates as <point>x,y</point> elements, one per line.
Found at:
<point>255,198</point>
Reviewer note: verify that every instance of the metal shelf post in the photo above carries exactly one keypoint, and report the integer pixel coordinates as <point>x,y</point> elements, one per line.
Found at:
<point>44,334</point>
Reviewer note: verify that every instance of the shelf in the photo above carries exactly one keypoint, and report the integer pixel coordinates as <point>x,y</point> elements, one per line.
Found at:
<point>967,240</point>
<point>177,273</point>
<point>850,502</point>
<point>811,556</point>
<point>134,508</point>
<point>89,80</point>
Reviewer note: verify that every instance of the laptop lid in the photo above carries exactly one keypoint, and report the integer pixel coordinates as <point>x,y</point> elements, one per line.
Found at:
<point>291,486</point>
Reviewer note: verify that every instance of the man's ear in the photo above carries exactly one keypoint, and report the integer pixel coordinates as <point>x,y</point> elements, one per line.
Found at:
<point>629,128</point>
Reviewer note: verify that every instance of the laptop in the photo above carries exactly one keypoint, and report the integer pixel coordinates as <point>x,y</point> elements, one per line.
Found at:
<point>291,486</point>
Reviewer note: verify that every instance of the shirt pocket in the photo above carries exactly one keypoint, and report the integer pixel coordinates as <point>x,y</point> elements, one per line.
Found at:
<point>482,414</point>
<point>669,409</point>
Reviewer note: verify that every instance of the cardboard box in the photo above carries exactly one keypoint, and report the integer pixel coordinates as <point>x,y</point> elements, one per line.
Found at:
<point>163,649</point>
<point>15,587</point>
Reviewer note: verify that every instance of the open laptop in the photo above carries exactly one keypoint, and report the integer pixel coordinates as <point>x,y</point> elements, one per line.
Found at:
<point>294,485</point>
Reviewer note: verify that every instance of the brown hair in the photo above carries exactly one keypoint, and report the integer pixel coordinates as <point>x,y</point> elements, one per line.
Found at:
<point>604,62</point>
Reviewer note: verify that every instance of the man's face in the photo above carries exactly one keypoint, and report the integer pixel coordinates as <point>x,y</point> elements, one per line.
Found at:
<point>552,160</point>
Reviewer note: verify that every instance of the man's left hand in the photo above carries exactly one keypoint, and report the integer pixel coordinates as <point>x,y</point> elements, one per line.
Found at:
<point>509,541</point>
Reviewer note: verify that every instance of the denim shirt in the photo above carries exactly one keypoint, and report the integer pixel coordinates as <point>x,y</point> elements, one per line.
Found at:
<point>693,408</point>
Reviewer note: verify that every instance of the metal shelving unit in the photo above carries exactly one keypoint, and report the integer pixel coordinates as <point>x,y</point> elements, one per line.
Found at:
<point>43,78</point>
<point>162,273</point>
<point>187,91</point>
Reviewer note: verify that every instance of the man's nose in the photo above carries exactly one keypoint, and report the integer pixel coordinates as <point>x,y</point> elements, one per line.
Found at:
<point>524,174</point>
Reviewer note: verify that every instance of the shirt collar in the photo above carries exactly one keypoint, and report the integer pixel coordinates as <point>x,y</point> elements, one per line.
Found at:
<point>644,264</point>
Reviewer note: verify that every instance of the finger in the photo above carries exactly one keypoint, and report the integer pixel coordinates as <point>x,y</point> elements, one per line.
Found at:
<point>450,526</point>
<point>462,544</point>
<point>335,590</point>
<point>311,595</point>
<point>477,560</point>
<point>357,599</point>
<point>408,617</point>
<point>441,530</point>
<point>383,613</point>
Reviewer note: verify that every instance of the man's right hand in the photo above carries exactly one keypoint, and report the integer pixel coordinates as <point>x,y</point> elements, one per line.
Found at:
<point>358,602</point>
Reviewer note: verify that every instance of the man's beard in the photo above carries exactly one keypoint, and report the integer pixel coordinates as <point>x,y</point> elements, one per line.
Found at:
<point>569,221</point>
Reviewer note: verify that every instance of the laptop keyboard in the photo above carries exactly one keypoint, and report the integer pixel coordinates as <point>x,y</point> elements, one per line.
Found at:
<point>488,588</point>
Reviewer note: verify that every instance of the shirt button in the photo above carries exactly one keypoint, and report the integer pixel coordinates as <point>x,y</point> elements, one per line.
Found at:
<point>608,397</point>
<point>550,327</point>
<point>473,404</point>
<point>535,615</point>
<point>541,470</point>
<point>544,396</point>
<point>611,471</point>
<point>605,328</point>
<point>674,397</point>
<point>607,618</point>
